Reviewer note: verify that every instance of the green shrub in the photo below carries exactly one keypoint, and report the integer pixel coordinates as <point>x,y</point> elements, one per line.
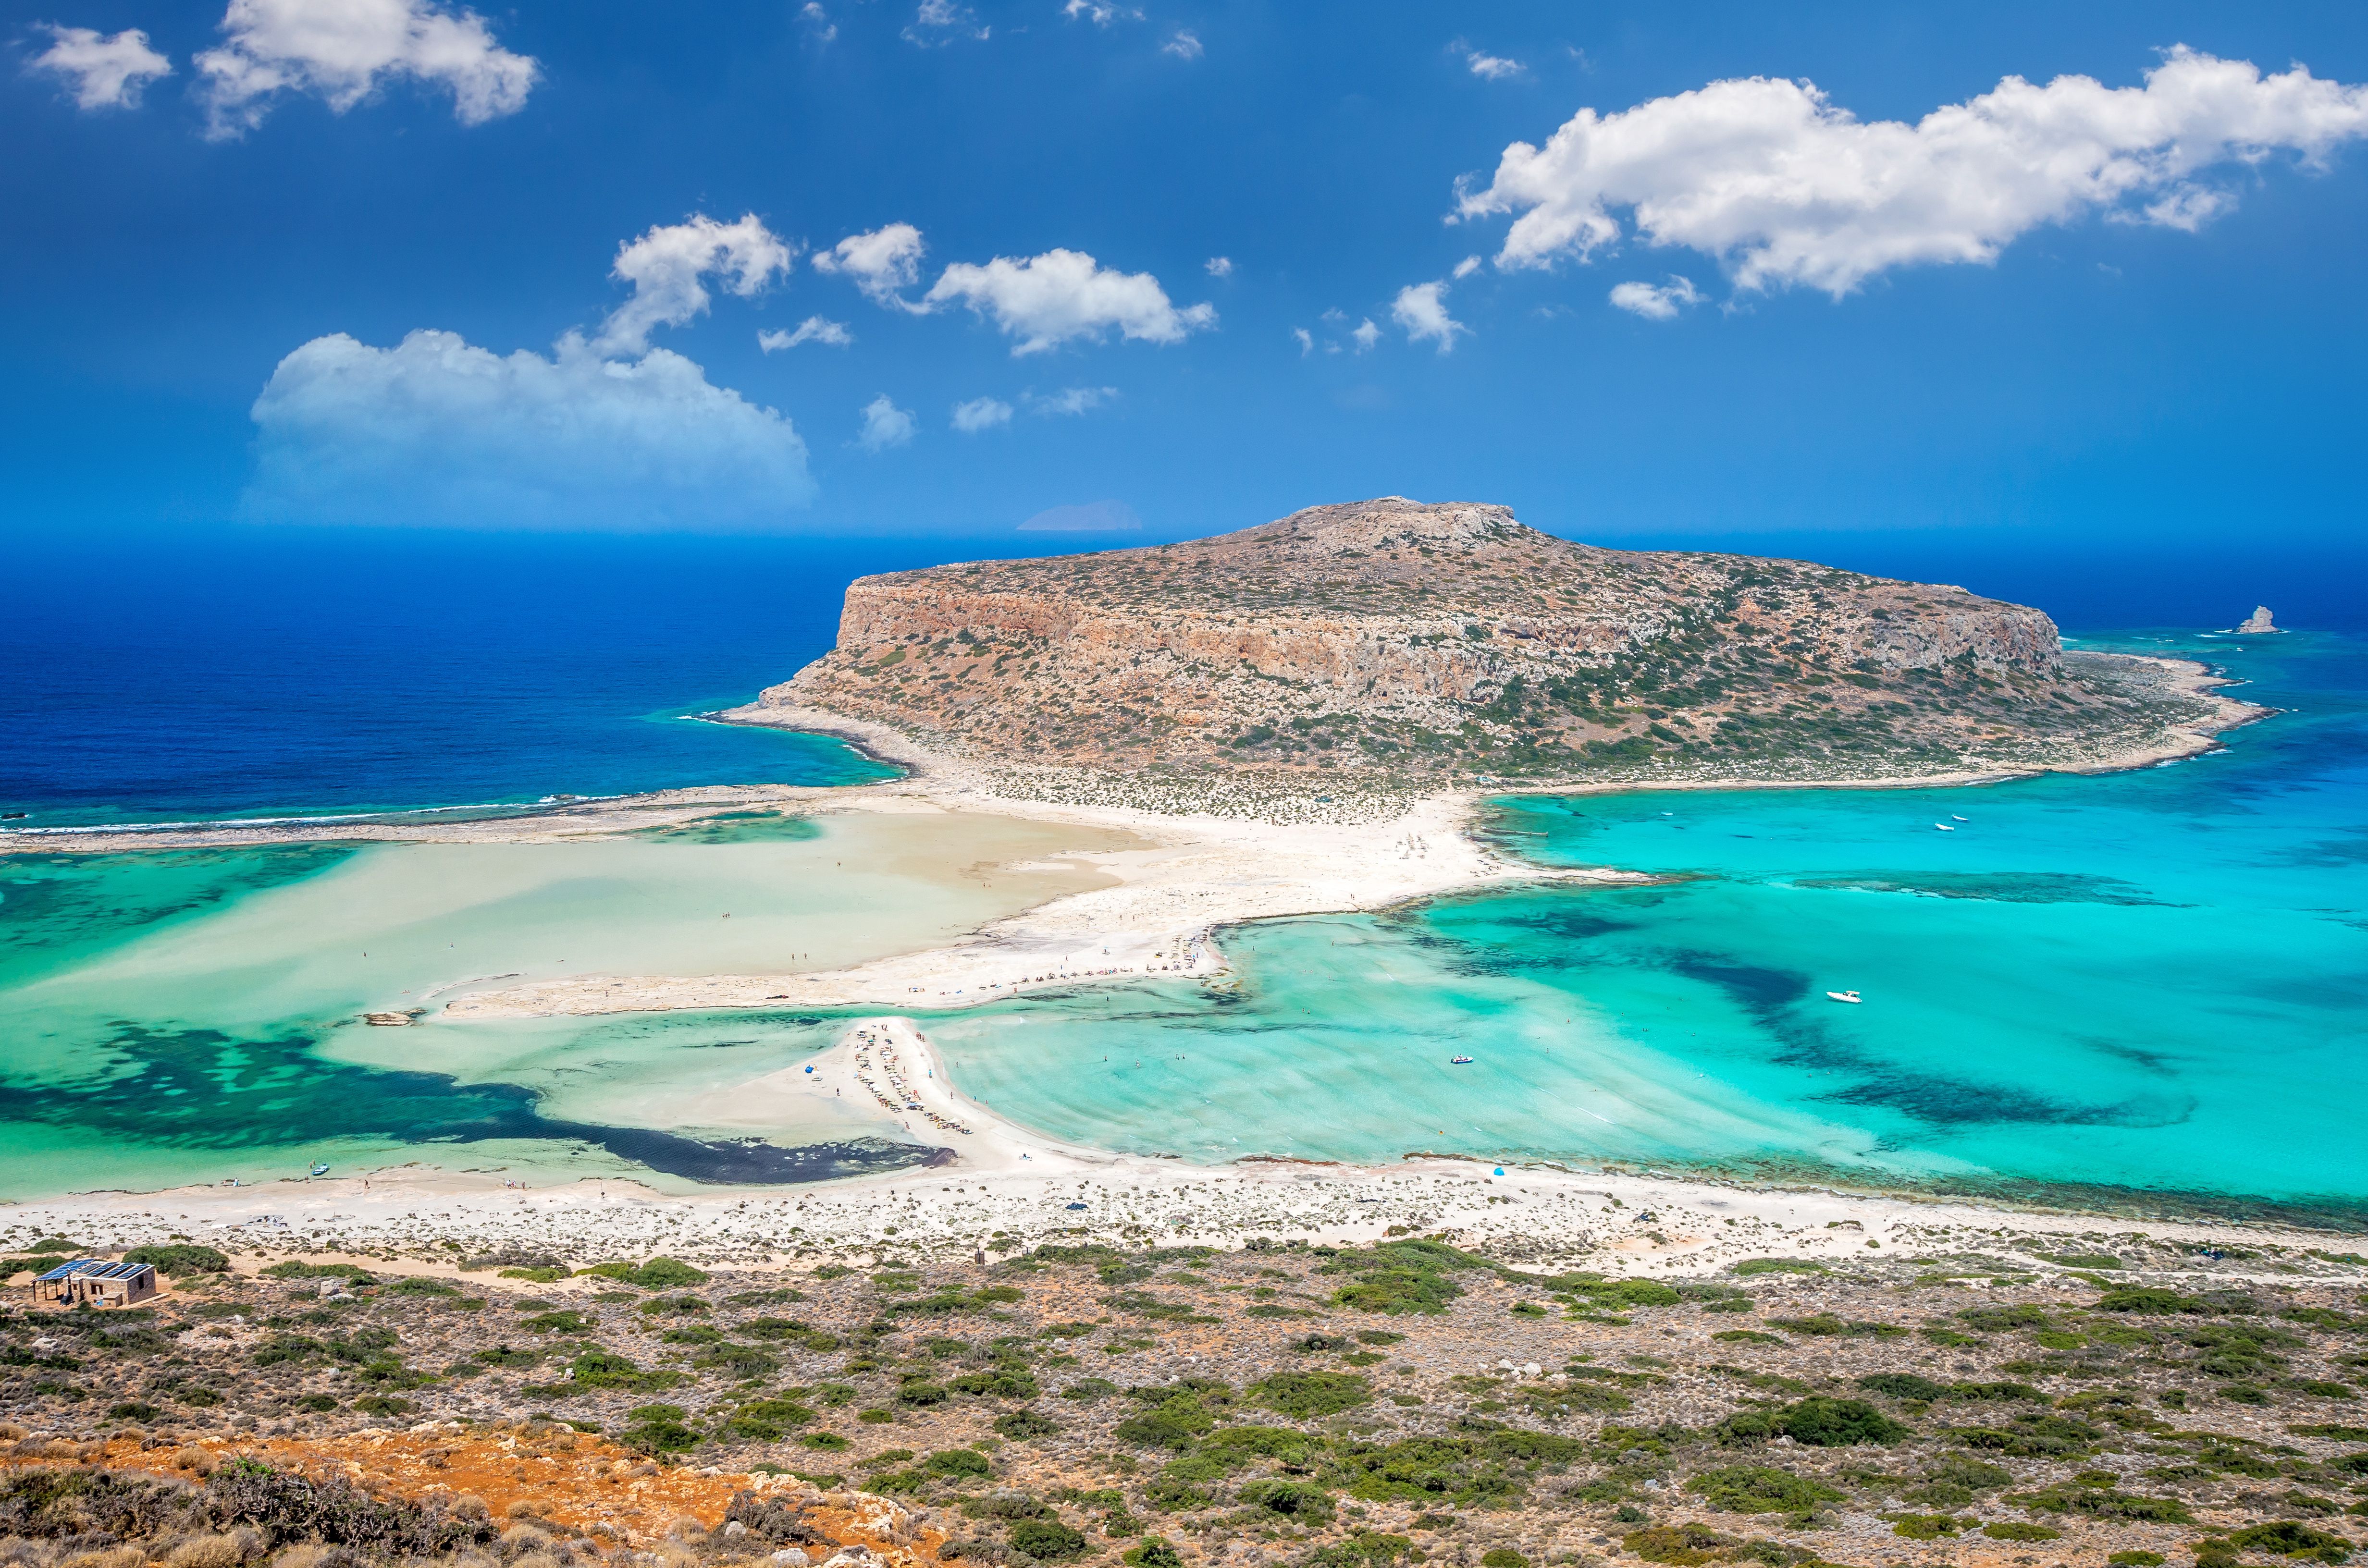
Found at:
<point>375,1405</point>
<point>599,1369</point>
<point>1047,1541</point>
<point>1683,1545</point>
<point>769,1420</point>
<point>1503,1557</point>
<point>1288,1444</point>
<point>1923,1526</point>
<point>2000,1320</point>
<point>659,1429</point>
<point>1021,1426</point>
<point>351,1273</point>
<point>1173,1425</point>
<point>1777,1266</point>
<point>2147,1299</point>
<point>1401,1276</point>
<point>1001,1382</point>
<point>2010,1529</point>
<point>1760,1489</point>
<point>2287,1539</point>
<point>958,1462</point>
<point>2104,1501</point>
<point>2039,1437</point>
<point>1826,1324</point>
<point>2137,1560</point>
<point>1293,1500</point>
<point>740,1360</point>
<point>1366,1549</point>
<point>1153,1553</point>
<point>1172,1494</point>
<point>1819,1422</point>
<point>420,1285</point>
<point>570,1323</point>
<point>657,1274</point>
<point>1904,1385</point>
<point>1305,1396</point>
<point>180,1259</point>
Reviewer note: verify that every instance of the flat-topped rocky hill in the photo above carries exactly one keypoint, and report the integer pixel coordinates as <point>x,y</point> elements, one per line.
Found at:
<point>1393,638</point>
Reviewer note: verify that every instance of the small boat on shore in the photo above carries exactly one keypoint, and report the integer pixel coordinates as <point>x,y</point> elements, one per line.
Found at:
<point>1853,997</point>
<point>1459,1061</point>
<point>320,1167</point>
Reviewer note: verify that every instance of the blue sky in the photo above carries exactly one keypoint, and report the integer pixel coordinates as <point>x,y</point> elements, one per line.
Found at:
<point>2122,312</point>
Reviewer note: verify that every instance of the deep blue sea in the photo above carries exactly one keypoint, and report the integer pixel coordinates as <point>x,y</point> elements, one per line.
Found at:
<point>268,672</point>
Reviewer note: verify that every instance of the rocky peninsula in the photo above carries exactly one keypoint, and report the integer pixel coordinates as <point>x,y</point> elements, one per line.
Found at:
<point>1406,647</point>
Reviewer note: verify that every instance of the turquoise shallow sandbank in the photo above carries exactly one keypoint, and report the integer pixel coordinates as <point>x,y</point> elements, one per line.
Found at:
<point>171,1017</point>
<point>2131,988</point>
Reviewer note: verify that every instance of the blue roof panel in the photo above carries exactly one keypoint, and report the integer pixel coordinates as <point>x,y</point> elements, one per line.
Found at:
<point>65,1269</point>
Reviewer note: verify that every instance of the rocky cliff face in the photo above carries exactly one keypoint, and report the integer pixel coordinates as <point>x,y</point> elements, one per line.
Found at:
<point>1437,639</point>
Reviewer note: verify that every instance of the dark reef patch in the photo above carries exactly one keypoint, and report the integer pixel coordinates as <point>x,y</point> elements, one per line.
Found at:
<point>206,1089</point>
<point>1993,887</point>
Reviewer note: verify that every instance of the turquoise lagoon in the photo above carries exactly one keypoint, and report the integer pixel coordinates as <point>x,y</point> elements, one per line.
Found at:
<point>2154,984</point>
<point>2145,988</point>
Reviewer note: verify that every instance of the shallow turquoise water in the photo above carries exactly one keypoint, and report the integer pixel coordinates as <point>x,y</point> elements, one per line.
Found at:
<point>2151,980</point>
<point>179,1016</point>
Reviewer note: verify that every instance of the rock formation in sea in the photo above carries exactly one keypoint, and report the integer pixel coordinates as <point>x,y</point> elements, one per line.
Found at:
<point>1427,642</point>
<point>2257,622</point>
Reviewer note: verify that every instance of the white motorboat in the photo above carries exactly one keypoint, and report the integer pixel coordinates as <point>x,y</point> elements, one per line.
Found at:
<point>1851,997</point>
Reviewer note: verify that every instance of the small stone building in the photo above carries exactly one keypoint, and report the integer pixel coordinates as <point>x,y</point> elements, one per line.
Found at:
<point>95,1282</point>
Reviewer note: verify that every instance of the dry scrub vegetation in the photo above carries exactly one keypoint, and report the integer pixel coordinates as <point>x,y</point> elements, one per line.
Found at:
<point>1322,1407</point>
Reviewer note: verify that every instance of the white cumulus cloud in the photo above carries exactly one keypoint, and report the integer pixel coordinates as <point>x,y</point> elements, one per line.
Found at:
<point>1785,187</point>
<point>1421,309</point>
<point>1071,400</point>
<point>106,71</point>
<point>1045,300</point>
<point>1219,265</point>
<point>1183,45</point>
<point>1305,340</point>
<point>341,50</point>
<point>1101,12</point>
<point>885,425</point>
<point>1491,67</point>
<point>1366,335</point>
<point>813,329</point>
<point>879,263</point>
<point>817,21</point>
<point>941,22</point>
<point>981,414</point>
<point>437,432</point>
<point>667,265</point>
<point>1656,301</point>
